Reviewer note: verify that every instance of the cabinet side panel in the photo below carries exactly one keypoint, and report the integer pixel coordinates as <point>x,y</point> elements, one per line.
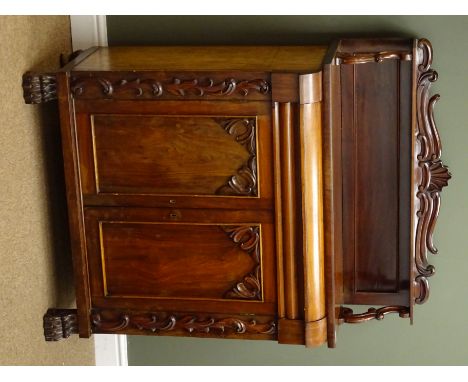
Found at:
<point>75,205</point>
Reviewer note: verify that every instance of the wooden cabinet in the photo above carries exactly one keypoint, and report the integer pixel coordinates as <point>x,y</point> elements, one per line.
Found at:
<point>246,192</point>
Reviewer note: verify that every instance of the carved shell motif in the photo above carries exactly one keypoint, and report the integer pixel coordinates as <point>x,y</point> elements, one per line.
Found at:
<point>433,175</point>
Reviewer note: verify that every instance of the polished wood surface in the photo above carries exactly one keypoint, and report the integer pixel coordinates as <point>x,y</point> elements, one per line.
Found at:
<point>287,115</point>
<point>313,230</point>
<point>181,258</point>
<point>168,155</point>
<point>208,58</point>
<point>169,260</point>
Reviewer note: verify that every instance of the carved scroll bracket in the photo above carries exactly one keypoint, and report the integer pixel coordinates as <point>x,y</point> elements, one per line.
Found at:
<point>347,315</point>
<point>431,174</point>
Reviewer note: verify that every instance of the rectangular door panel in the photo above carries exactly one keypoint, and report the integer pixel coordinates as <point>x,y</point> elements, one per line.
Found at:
<point>166,255</point>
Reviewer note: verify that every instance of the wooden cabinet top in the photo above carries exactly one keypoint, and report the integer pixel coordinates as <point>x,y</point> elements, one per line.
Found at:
<point>305,59</point>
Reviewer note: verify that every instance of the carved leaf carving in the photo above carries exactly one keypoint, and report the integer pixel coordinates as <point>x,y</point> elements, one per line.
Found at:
<point>248,239</point>
<point>433,175</point>
<point>245,181</point>
<point>190,323</point>
<point>176,87</point>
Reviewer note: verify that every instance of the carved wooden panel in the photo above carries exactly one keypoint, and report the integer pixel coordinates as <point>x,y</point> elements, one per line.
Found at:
<point>431,174</point>
<point>251,86</point>
<point>180,260</point>
<point>196,155</point>
<point>163,323</point>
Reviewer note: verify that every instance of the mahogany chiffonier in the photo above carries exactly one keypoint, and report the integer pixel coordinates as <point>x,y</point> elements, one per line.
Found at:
<point>250,192</point>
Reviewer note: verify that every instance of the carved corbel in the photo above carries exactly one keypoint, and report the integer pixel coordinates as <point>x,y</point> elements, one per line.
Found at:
<point>39,88</point>
<point>60,324</point>
<point>348,316</point>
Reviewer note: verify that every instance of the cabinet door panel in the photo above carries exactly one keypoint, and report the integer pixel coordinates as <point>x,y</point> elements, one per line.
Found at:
<point>138,254</point>
<point>173,155</point>
<point>205,160</point>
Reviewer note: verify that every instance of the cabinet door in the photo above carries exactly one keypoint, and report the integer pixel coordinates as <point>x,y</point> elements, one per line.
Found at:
<point>190,260</point>
<point>204,156</point>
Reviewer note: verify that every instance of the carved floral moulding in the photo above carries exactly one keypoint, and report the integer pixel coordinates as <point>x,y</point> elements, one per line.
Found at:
<point>347,315</point>
<point>431,174</point>
<point>133,86</point>
<point>115,322</point>
<point>248,238</point>
<point>244,183</point>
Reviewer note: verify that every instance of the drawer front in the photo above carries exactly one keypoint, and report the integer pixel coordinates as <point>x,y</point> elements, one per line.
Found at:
<point>135,158</point>
<point>166,255</point>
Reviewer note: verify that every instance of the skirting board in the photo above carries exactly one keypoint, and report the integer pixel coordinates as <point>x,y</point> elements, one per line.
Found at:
<point>88,31</point>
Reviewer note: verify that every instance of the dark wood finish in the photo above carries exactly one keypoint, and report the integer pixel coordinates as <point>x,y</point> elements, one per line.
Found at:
<point>375,152</point>
<point>430,174</point>
<point>182,324</point>
<point>60,324</point>
<point>39,88</point>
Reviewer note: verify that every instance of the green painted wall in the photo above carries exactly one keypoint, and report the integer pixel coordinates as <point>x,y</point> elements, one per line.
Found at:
<point>440,333</point>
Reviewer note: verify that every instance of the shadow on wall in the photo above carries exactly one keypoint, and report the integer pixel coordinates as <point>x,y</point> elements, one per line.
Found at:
<point>64,295</point>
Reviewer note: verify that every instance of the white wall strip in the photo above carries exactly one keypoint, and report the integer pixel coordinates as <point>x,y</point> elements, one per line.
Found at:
<point>88,31</point>
<point>110,350</point>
